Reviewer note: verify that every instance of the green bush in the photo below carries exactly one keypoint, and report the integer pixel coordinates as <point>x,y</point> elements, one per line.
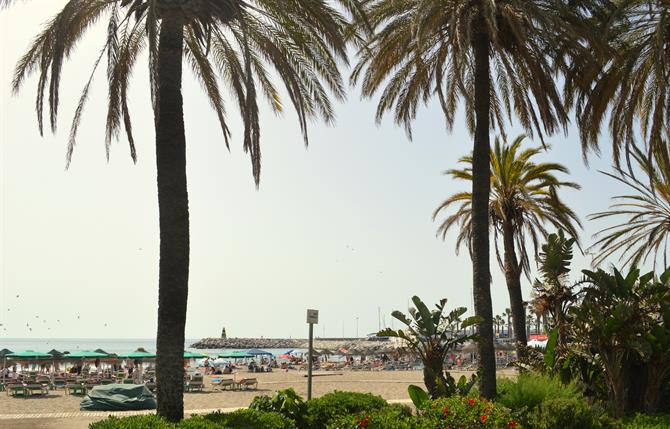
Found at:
<point>285,402</point>
<point>642,421</point>
<point>321,411</point>
<point>392,417</point>
<point>250,419</point>
<point>565,413</point>
<point>468,413</point>
<point>531,389</point>
<point>241,419</point>
<point>150,421</point>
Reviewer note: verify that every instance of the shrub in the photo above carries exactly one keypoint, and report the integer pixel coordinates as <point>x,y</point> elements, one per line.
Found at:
<point>150,421</point>
<point>392,417</point>
<point>250,419</point>
<point>565,413</point>
<point>321,411</point>
<point>285,402</point>
<point>642,421</point>
<point>468,413</point>
<point>530,389</point>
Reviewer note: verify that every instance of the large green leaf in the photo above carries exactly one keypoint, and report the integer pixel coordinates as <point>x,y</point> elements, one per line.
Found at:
<point>418,396</point>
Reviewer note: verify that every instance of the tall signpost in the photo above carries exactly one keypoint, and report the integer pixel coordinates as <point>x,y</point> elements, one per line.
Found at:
<point>312,319</point>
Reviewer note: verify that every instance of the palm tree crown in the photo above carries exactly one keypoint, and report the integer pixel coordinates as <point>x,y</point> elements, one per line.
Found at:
<point>524,198</point>
<point>643,227</point>
<point>228,41</point>
<point>630,83</point>
<point>424,47</point>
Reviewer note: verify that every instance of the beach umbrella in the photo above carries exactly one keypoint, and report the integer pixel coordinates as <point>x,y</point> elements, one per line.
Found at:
<point>137,355</point>
<point>84,354</point>
<point>29,355</point>
<point>235,355</point>
<point>194,355</point>
<point>259,352</point>
<point>56,354</point>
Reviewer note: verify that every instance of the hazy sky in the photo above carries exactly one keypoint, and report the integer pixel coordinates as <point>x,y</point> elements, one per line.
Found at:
<point>344,226</point>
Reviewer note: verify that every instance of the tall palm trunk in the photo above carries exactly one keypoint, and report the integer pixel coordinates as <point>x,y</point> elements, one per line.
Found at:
<point>513,280</point>
<point>481,188</point>
<point>174,225</point>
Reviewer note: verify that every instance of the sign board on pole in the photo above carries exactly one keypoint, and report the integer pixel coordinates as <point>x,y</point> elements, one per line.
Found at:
<point>313,316</point>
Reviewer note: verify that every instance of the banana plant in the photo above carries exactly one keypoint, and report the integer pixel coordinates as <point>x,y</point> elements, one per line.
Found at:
<point>433,335</point>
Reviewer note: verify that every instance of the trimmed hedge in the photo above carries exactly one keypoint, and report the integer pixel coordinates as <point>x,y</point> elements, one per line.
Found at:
<point>469,413</point>
<point>241,419</point>
<point>321,411</point>
<point>392,417</point>
<point>642,421</point>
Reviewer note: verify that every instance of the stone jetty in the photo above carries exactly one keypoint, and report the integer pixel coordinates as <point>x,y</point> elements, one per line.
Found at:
<point>294,343</point>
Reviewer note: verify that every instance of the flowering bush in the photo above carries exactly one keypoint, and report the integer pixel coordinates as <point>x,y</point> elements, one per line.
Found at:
<point>469,413</point>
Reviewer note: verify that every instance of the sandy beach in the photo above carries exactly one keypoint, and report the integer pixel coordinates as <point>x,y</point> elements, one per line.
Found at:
<point>60,411</point>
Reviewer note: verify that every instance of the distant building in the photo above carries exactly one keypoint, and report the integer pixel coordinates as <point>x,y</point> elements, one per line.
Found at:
<point>223,333</point>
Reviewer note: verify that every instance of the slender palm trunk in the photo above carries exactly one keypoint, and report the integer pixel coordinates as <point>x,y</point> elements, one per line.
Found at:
<point>513,280</point>
<point>174,226</point>
<point>481,188</point>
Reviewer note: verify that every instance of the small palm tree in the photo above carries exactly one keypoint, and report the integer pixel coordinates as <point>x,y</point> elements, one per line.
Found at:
<point>641,219</point>
<point>222,41</point>
<point>500,59</point>
<point>523,200</point>
<point>630,83</point>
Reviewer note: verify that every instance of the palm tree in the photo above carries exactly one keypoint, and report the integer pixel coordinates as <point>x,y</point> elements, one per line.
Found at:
<point>232,39</point>
<point>530,320</point>
<point>496,57</point>
<point>641,219</point>
<point>498,322</point>
<point>524,198</point>
<point>508,315</point>
<point>630,83</point>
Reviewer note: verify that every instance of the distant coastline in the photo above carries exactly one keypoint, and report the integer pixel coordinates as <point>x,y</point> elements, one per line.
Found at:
<point>284,343</point>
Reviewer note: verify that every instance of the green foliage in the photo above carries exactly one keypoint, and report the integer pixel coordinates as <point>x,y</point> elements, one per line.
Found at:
<point>150,421</point>
<point>623,327</point>
<point>392,417</point>
<point>241,419</point>
<point>468,413</point>
<point>432,335</point>
<point>525,394</point>
<point>321,411</point>
<point>285,402</point>
<point>250,419</point>
<point>417,395</point>
<point>566,413</point>
<point>643,421</point>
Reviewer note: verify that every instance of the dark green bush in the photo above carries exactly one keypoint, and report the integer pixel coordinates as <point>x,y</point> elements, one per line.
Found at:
<point>150,421</point>
<point>392,417</point>
<point>241,419</point>
<point>565,413</point>
<point>642,421</point>
<point>321,411</point>
<point>250,419</point>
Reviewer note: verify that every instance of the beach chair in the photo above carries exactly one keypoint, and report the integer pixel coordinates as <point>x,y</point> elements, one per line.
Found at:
<point>58,382</point>
<point>222,383</point>
<point>75,389</point>
<point>32,389</point>
<point>128,381</point>
<point>248,383</point>
<point>16,390</point>
<point>196,383</point>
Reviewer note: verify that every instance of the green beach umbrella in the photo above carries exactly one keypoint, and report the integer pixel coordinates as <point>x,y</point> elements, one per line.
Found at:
<point>29,354</point>
<point>55,353</point>
<point>236,355</point>
<point>194,355</point>
<point>84,354</point>
<point>5,352</point>
<point>137,355</point>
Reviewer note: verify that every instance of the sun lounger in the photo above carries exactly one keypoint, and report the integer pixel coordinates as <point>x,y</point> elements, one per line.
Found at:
<point>75,389</point>
<point>223,383</point>
<point>31,389</point>
<point>248,383</point>
<point>16,390</point>
<point>196,383</point>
